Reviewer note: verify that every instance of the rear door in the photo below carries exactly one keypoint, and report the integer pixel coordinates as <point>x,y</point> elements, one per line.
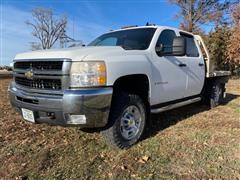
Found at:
<point>195,67</point>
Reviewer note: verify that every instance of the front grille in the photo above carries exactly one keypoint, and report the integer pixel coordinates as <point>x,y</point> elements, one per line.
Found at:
<point>48,84</point>
<point>38,76</point>
<point>39,65</point>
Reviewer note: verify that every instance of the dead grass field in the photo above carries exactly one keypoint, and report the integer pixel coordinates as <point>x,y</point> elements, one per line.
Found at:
<point>192,142</point>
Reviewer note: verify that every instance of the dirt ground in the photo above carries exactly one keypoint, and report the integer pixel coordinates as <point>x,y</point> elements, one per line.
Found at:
<point>192,142</point>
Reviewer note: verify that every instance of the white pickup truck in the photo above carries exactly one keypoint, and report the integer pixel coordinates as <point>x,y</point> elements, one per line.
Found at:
<point>117,81</point>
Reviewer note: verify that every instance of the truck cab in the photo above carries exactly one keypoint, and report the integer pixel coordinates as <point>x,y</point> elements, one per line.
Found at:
<point>116,82</point>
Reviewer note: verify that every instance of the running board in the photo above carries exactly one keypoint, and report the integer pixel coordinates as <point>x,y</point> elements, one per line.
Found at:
<point>173,106</point>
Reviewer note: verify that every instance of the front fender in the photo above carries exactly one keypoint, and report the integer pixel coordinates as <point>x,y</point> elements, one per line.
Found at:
<point>128,65</point>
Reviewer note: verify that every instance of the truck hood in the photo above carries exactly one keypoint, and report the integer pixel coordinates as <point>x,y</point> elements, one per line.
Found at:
<point>76,53</point>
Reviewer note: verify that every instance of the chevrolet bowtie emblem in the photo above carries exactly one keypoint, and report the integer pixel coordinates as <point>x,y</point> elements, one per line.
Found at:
<point>29,75</point>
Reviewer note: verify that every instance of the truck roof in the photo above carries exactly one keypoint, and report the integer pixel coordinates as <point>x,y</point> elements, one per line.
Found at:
<point>151,26</point>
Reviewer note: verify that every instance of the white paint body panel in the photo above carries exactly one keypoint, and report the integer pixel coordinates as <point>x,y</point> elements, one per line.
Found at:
<point>194,72</point>
<point>169,79</point>
<point>166,79</point>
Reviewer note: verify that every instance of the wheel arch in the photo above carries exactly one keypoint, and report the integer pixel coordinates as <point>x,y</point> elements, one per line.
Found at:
<point>134,83</point>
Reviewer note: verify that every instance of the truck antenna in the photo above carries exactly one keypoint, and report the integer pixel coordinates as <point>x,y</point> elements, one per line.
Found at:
<point>150,24</point>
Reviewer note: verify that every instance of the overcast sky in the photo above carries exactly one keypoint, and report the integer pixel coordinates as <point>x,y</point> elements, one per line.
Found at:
<point>87,19</point>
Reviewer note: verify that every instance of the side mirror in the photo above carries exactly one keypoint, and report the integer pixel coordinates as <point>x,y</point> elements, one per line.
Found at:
<point>179,46</point>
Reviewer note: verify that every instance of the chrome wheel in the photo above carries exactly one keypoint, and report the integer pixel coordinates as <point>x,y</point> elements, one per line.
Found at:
<point>130,122</point>
<point>218,91</point>
<point>216,96</point>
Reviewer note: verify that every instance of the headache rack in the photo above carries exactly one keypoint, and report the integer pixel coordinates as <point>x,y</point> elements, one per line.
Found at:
<point>210,66</point>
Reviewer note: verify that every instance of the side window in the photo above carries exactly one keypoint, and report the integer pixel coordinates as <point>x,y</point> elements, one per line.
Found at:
<point>165,41</point>
<point>191,48</point>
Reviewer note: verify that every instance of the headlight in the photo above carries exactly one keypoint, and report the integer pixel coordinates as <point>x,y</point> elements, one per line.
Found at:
<point>86,74</point>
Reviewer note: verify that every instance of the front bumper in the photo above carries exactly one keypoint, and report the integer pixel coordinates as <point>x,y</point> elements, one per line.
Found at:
<point>93,104</point>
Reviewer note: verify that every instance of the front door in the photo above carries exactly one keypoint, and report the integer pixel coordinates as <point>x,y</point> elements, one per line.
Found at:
<point>169,75</point>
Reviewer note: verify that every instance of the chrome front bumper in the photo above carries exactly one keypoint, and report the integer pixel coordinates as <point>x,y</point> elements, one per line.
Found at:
<point>93,104</point>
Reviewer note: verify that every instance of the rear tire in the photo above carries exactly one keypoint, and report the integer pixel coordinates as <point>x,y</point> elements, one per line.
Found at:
<point>216,96</point>
<point>127,121</point>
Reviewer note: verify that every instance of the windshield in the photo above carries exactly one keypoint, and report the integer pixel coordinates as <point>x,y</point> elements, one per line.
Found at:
<point>131,39</point>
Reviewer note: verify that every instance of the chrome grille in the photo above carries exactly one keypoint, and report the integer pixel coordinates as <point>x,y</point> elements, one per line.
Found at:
<point>48,84</point>
<point>42,75</point>
<point>39,65</point>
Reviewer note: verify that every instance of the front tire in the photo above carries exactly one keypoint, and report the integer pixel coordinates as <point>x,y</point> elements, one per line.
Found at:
<point>127,121</point>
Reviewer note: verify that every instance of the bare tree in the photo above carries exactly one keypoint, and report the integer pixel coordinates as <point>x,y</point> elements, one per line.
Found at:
<point>47,28</point>
<point>194,13</point>
<point>35,46</point>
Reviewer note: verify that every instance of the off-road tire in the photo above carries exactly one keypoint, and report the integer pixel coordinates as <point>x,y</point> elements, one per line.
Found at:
<point>112,133</point>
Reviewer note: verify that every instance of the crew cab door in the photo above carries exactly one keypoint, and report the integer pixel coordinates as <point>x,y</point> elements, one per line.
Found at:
<point>195,67</point>
<point>169,76</point>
